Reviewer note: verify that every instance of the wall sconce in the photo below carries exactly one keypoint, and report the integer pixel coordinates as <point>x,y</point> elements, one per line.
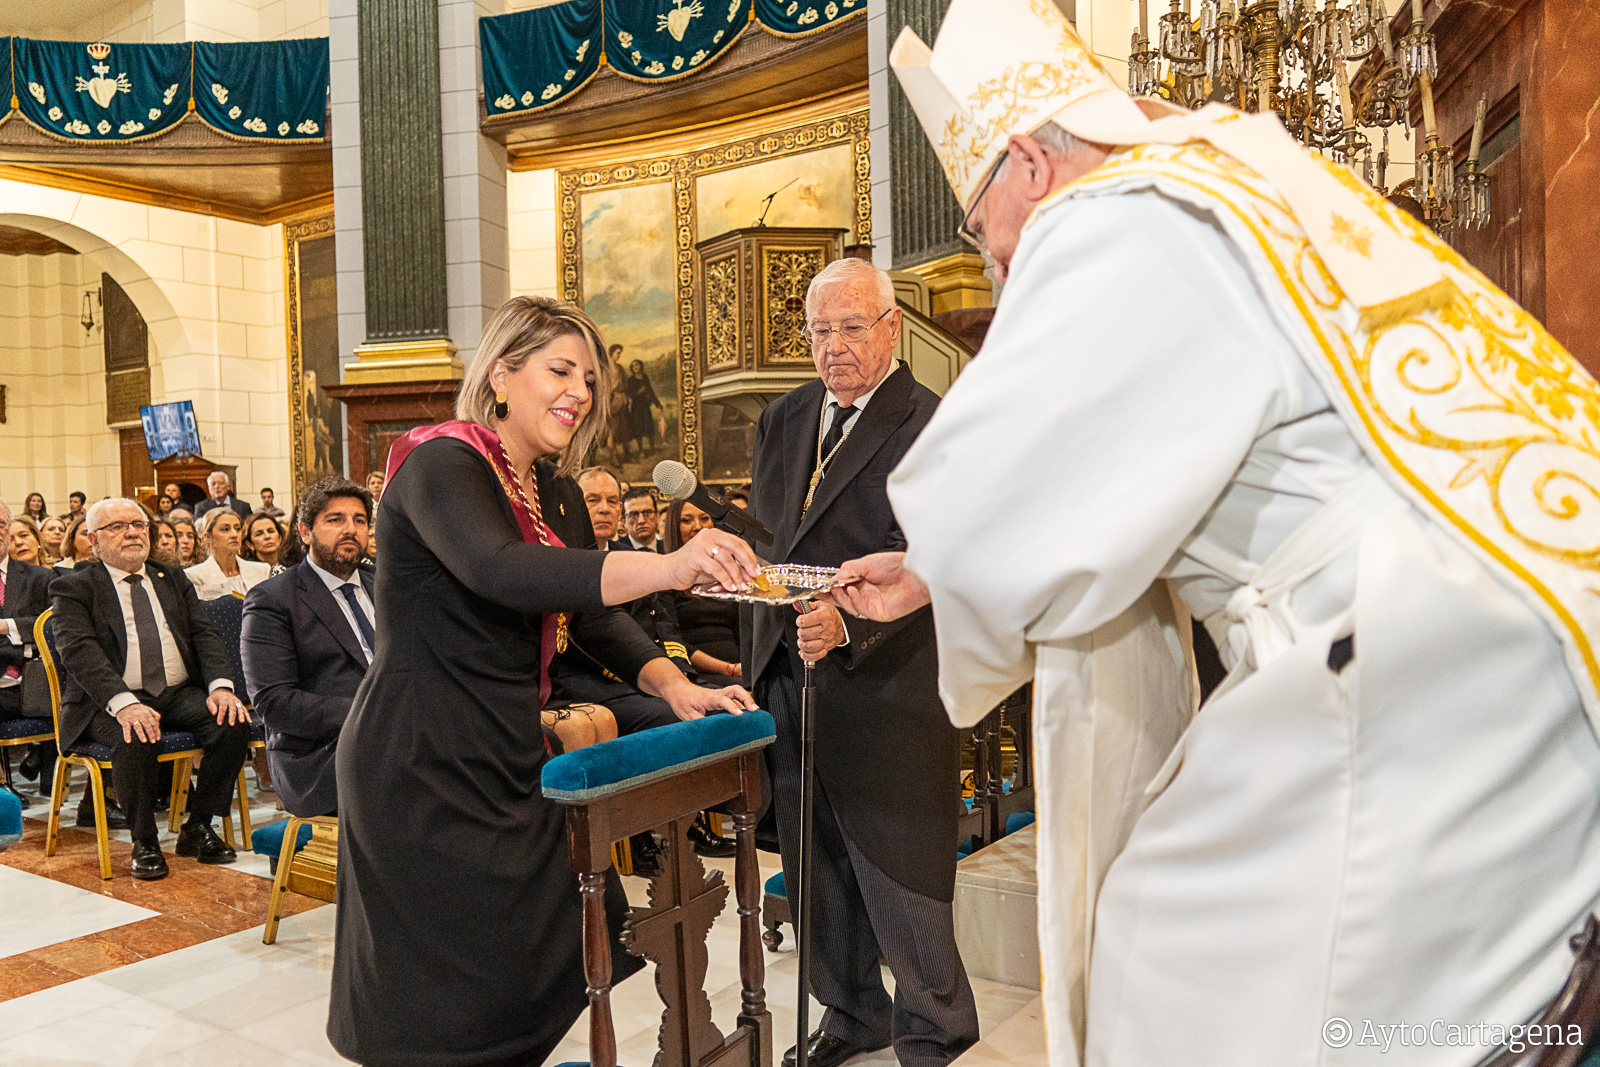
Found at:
<point>91,300</point>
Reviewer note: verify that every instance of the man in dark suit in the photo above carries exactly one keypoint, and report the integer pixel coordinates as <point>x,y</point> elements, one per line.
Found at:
<point>886,756</point>
<point>220,486</point>
<point>641,520</point>
<point>139,656</point>
<point>24,597</point>
<point>308,637</point>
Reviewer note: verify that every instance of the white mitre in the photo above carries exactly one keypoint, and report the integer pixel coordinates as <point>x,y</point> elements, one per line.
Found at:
<point>1005,67</point>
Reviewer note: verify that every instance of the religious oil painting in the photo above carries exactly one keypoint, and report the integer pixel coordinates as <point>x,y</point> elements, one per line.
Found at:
<point>317,430</point>
<point>628,291</point>
<point>810,189</point>
<point>628,233</point>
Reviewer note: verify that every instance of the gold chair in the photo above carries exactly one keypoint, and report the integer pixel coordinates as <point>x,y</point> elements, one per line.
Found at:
<point>312,871</point>
<point>181,759</point>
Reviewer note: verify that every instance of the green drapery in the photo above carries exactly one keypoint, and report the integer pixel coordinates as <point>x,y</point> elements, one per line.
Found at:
<point>101,93</point>
<point>263,90</point>
<point>541,57</point>
<point>535,58</point>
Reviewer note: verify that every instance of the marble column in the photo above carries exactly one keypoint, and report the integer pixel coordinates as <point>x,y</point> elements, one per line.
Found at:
<point>923,212</point>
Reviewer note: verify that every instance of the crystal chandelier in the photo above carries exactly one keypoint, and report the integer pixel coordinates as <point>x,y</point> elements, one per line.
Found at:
<point>1292,57</point>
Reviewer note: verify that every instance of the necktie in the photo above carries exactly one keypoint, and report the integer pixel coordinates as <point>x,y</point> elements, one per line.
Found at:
<point>10,672</point>
<point>152,665</point>
<point>835,434</point>
<point>363,624</point>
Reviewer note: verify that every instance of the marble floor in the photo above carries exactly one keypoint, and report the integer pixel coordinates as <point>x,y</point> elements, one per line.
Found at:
<point>174,972</point>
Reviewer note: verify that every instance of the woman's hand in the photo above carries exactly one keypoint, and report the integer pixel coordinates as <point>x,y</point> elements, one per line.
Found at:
<point>690,701</point>
<point>881,588</point>
<point>716,557</point>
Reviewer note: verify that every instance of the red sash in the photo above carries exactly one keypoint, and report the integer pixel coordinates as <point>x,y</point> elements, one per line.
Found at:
<point>529,514</point>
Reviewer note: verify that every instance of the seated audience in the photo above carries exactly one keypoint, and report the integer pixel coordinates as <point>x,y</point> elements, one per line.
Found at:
<point>639,519</point>
<point>709,629</point>
<point>52,532</point>
<point>75,505</point>
<point>164,505</point>
<point>261,540</point>
<point>138,655</point>
<point>375,486</point>
<point>76,546</point>
<point>23,543</point>
<point>308,638</point>
<point>222,572</point>
<point>268,506</point>
<point>34,509</point>
<point>189,550</point>
<point>164,542</point>
<point>23,598</point>
<point>173,493</point>
<point>602,495</point>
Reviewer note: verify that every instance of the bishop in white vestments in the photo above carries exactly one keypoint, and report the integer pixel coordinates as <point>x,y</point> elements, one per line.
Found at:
<point>1242,386</point>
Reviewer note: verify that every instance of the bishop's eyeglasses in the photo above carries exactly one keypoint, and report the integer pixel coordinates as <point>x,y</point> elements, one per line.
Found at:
<point>820,333</point>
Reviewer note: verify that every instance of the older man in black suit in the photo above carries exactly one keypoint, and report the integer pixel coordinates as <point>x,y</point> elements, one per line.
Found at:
<point>308,638</point>
<point>138,656</point>
<point>887,758</point>
<point>220,488</point>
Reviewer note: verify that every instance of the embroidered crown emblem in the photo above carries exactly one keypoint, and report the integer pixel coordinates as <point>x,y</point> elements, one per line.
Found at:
<point>101,88</point>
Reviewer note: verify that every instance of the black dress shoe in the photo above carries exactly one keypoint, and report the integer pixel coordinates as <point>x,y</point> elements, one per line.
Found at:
<point>646,854</point>
<point>32,763</point>
<point>710,844</point>
<point>203,844</point>
<point>825,1050</point>
<point>148,862</point>
<point>115,820</point>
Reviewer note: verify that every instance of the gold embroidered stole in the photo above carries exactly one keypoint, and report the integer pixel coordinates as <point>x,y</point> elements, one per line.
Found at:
<point>1473,412</point>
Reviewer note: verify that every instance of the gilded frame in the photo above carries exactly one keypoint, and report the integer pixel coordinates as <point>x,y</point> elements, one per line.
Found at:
<point>300,450</point>
<point>852,127</point>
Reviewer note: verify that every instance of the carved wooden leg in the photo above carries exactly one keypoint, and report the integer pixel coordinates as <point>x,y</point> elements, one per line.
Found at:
<point>747,888</point>
<point>597,969</point>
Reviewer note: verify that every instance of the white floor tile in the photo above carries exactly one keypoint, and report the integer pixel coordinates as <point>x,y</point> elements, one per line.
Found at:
<point>39,911</point>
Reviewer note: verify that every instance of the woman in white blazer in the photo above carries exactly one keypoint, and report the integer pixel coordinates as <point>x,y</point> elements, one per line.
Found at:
<point>223,572</point>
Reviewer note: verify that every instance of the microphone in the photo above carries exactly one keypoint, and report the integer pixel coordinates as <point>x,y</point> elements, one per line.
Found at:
<point>679,483</point>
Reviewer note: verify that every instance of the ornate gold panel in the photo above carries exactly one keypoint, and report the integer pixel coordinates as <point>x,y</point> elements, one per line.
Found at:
<point>722,313</point>
<point>785,275</point>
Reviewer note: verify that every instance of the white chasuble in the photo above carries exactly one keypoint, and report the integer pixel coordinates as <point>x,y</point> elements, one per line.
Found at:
<point>1407,840</point>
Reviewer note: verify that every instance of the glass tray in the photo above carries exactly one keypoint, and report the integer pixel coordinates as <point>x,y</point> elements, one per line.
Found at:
<point>788,583</point>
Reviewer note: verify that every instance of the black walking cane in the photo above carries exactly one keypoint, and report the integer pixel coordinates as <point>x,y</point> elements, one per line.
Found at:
<point>802,895</point>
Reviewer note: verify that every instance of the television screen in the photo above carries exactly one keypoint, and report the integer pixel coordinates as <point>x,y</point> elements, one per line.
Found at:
<point>170,430</point>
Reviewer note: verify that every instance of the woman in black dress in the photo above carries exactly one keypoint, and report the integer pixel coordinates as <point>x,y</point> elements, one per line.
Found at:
<point>709,629</point>
<point>459,925</point>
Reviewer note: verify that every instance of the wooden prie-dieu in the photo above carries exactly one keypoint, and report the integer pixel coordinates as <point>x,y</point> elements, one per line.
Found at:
<point>684,899</point>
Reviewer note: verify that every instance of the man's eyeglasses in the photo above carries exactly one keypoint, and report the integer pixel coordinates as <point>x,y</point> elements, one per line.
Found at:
<point>968,234</point>
<point>118,528</point>
<point>819,334</point>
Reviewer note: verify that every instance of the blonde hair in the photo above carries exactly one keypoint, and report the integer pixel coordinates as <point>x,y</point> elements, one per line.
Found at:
<point>522,326</point>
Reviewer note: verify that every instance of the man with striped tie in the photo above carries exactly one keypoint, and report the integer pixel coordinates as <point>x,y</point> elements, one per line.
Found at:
<point>308,637</point>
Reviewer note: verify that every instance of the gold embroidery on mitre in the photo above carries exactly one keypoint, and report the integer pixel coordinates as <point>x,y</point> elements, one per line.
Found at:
<point>998,108</point>
<point>1486,419</point>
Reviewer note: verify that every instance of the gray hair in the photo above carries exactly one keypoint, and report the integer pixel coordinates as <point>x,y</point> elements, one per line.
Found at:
<point>100,507</point>
<point>1049,136</point>
<point>5,514</point>
<point>590,472</point>
<point>850,269</point>
<point>219,474</point>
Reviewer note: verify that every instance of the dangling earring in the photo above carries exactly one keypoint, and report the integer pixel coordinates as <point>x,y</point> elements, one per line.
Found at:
<point>500,408</point>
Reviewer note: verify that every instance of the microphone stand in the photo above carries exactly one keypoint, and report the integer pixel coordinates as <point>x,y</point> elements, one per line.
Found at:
<point>802,895</point>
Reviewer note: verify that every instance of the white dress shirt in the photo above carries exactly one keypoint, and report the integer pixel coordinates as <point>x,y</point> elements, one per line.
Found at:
<point>210,583</point>
<point>171,657</point>
<point>653,545</point>
<point>334,582</point>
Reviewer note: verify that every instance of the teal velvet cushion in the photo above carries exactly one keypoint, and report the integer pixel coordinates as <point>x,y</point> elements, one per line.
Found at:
<point>606,768</point>
<point>10,818</point>
<point>268,841</point>
<point>775,886</point>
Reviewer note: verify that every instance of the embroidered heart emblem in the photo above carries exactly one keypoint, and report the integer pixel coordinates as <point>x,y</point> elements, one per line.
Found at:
<point>103,90</point>
<point>678,21</point>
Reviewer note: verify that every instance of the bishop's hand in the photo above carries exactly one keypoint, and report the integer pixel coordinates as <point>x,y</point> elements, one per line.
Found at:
<point>879,588</point>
